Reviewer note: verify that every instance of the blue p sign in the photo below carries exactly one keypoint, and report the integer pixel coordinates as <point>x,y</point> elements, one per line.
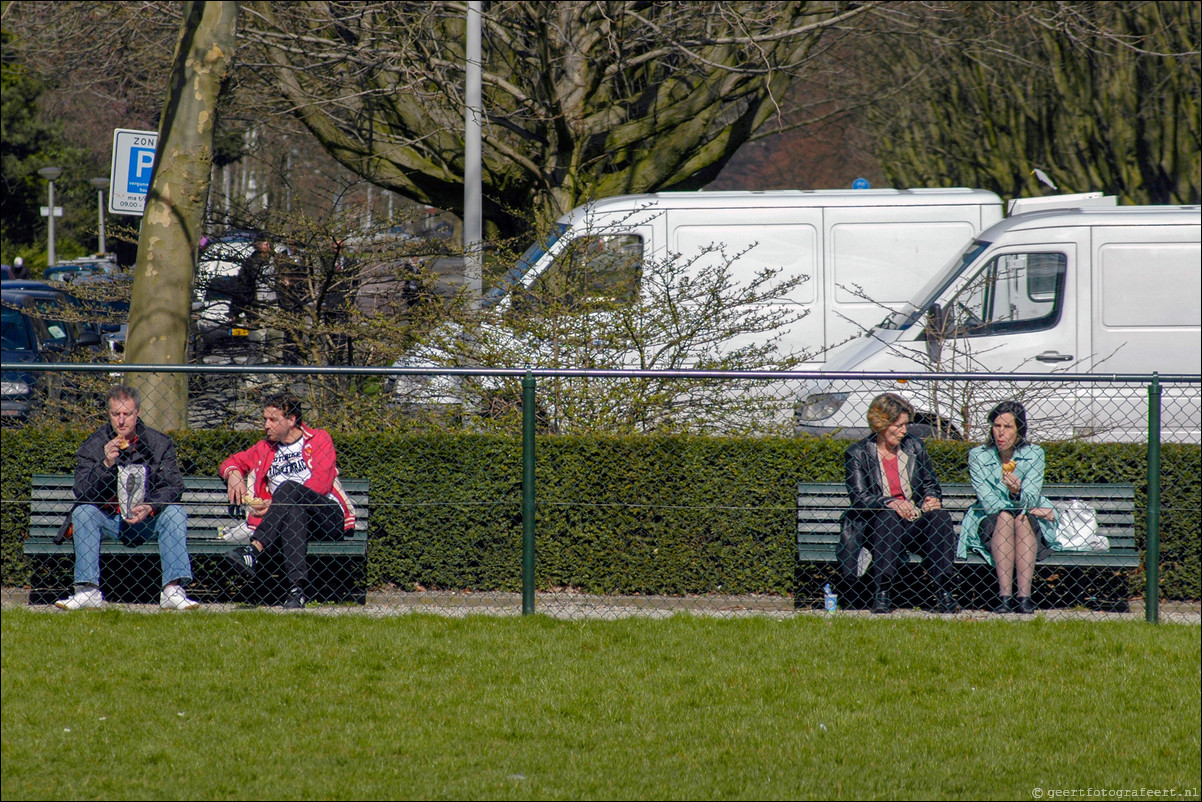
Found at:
<point>132,169</point>
<point>141,165</point>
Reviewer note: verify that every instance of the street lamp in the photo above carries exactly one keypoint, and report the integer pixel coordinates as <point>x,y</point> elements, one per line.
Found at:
<point>100,185</point>
<point>51,174</point>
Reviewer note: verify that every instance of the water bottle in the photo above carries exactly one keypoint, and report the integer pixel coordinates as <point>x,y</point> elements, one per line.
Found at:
<point>829,597</point>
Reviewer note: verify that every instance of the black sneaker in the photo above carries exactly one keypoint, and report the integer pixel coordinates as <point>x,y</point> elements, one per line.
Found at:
<point>946,602</point>
<point>243,559</point>
<point>881,604</point>
<point>295,600</point>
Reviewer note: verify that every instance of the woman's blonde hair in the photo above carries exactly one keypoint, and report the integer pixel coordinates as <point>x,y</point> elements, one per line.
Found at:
<point>885,409</point>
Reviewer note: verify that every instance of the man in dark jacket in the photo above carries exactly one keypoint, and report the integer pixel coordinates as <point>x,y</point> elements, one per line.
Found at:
<point>128,488</point>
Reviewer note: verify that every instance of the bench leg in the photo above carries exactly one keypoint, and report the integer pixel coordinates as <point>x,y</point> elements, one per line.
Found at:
<point>340,579</point>
<point>1111,592</point>
<point>50,578</point>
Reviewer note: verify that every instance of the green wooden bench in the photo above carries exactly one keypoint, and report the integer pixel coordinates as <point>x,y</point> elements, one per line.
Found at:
<point>1105,573</point>
<point>336,567</point>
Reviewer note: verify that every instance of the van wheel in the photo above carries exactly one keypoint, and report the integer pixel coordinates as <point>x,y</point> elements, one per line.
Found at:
<point>927,430</point>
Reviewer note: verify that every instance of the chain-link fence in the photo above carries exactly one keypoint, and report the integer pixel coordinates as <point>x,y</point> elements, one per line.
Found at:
<point>610,493</point>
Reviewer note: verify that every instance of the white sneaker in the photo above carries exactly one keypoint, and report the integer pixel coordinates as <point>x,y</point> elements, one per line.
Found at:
<point>174,598</point>
<point>86,599</point>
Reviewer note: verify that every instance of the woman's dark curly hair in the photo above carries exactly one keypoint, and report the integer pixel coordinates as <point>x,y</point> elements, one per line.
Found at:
<point>1020,421</point>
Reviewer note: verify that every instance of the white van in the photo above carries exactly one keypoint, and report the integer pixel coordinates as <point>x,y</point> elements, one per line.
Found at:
<point>1092,291</point>
<point>863,251</point>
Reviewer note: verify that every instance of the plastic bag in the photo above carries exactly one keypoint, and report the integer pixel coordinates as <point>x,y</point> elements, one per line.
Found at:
<point>131,487</point>
<point>238,534</point>
<point>1077,527</point>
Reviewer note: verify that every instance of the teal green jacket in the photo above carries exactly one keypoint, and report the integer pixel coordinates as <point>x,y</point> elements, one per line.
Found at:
<point>985,468</point>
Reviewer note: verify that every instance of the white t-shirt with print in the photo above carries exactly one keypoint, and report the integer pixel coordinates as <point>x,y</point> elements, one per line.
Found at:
<point>288,466</point>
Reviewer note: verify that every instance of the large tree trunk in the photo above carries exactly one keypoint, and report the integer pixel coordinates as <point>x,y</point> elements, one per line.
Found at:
<point>162,292</point>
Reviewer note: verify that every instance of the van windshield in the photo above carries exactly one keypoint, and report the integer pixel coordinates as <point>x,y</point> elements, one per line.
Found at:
<point>524,263</point>
<point>914,309</point>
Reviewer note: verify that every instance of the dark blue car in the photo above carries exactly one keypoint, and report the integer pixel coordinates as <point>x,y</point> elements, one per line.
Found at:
<point>41,325</point>
<point>67,317</point>
<point>21,336</point>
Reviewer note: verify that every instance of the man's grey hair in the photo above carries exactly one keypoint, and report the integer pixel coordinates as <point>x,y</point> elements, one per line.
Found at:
<point>124,393</point>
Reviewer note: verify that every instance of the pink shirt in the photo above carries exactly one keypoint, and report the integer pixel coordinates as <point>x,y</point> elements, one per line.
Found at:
<point>894,478</point>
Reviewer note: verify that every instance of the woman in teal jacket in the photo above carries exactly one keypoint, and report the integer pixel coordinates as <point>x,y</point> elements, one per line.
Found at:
<point>1010,514</point>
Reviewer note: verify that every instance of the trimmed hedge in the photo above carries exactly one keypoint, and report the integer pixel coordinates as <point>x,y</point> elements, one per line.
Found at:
<point>673,515</point>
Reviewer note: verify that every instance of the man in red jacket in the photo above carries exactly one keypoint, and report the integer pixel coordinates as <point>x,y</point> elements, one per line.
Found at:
<point>296,495</point>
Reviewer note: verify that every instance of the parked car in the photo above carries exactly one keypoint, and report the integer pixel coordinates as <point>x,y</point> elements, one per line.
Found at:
<point>225,298</point>
<point>22,337</point>
<point>106,297</point>
<point>44,324</point>
<point>65,315</point>
<point>69,270</point>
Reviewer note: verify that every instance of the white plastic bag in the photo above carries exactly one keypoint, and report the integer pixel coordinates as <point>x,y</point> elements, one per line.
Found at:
<point>238,534</point>
<point>1077,527</point>
<point>131,487</point>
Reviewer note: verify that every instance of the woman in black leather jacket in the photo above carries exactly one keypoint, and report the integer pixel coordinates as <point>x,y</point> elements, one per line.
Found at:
<point>896,505</point>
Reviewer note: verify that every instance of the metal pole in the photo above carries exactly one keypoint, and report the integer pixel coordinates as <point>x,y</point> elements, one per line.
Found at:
<point>50,174</point>
<point>100,184</point>
<point>1152,560</point>
<point>528,494</point>
<point>100,220</point>
<point>473,223</point>
<point>51,256</point>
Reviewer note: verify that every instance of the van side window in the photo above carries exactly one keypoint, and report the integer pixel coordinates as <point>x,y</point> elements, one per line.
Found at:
<point>591,271</point>
<point>1014,292</point>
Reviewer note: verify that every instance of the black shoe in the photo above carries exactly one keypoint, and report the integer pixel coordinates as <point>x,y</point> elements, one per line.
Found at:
<point>1025,605</point>
<point>881,604</point>
<point>243,559</point>
<point>295,600</point>
<point>946,602</point>
<point>1003,605</point>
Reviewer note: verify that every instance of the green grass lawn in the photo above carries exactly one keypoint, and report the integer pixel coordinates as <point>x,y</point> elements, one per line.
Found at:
<point>260,705</point>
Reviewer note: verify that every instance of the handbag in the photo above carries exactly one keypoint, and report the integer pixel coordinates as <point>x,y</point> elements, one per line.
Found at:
<point>1077,527</point>
<point>66,530</point>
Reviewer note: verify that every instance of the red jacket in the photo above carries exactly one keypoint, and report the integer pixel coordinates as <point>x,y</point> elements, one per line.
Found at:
<point>318,453</point>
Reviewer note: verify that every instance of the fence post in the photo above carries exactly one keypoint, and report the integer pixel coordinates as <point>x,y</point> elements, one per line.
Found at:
<point>528,494</point>
<point>1152,560</point>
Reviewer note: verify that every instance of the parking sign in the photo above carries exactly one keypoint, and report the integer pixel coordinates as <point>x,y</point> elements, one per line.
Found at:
<point>133,164</point>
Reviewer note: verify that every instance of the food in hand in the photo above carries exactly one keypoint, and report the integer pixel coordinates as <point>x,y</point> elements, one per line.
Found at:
<point>122,443</point>
<point>252,500</point>
<point>1009,466</point>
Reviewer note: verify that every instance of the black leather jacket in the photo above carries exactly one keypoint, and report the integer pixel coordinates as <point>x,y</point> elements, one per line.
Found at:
<point>97,484</point>
<point>863,472</point>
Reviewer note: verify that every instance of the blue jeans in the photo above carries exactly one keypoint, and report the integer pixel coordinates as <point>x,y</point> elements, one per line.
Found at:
<point>169,527</point>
